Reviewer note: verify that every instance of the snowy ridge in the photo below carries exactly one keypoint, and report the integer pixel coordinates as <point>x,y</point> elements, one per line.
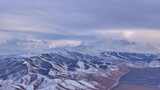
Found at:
<point>70,70</point>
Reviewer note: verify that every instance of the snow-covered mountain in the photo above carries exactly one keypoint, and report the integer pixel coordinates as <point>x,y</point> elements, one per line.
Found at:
<point>70,70</point>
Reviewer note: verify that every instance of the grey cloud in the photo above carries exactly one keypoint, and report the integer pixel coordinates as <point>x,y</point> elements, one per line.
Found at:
<point>89,14</point>
<point>76,19</point>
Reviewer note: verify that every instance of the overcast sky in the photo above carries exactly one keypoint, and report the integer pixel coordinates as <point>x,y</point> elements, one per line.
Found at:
<point>32,23</point>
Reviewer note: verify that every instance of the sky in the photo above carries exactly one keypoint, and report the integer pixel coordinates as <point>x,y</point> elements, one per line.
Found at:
<point>38,25</point>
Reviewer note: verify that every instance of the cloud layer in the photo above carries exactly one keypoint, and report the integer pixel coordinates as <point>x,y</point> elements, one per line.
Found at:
<point>71,23</point>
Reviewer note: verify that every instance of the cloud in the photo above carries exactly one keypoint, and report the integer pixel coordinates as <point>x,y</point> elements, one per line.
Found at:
<point>83,21</point>
<point>36,45</point>
<point>137,35</point>
<point>63,43</point>
<point>74,16</point>
<point>4,37</point>
<point>22,23</point>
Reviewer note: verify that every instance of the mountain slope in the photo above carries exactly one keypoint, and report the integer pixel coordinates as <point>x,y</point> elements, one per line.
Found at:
<point>69,70</point>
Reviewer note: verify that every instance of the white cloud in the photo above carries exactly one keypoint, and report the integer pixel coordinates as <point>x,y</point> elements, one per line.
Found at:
<point>63,43</point>
<point>151,36</point>
<point>47,44</point>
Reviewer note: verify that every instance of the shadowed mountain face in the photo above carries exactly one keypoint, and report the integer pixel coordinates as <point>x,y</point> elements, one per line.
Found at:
<point>70,70</point>
<point>141,79</point>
